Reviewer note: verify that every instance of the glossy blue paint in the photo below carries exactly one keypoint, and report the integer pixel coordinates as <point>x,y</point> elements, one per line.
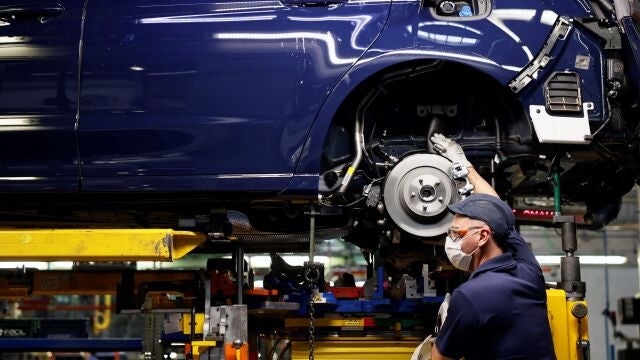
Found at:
<point>579,42</point>
<point>38,95</point>
<point>499,45</point>
<point>233,95</point>
<point>189,183</point>
<point>209,88</point>
<point>302,185</point>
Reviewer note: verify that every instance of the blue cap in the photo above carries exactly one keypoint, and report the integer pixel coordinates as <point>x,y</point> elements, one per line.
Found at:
<point>466,11</point>
<point>488,209</point>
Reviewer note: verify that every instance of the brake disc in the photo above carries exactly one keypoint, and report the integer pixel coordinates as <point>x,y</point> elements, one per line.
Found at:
<point>416,194</point>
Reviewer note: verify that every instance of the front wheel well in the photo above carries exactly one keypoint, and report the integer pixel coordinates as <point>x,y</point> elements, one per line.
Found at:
<point>418,98</point>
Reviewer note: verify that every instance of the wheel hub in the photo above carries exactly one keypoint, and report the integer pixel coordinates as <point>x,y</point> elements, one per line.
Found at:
<point>417,192</point>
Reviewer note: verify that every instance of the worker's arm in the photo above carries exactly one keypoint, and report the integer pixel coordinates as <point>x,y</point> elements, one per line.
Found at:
<point>518,247</point>
<point>453,151</point>
<point>480,185</point>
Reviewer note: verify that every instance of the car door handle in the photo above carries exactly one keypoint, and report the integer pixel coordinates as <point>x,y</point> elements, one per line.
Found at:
<point>39,12</point>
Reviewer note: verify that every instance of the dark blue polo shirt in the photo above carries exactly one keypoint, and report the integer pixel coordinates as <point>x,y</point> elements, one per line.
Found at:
<point>501,311</point>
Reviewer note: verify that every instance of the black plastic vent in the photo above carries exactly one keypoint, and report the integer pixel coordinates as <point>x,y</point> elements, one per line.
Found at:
<point>562,93</point>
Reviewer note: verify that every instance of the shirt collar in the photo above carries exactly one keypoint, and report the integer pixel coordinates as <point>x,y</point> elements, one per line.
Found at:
<point>501,263</point>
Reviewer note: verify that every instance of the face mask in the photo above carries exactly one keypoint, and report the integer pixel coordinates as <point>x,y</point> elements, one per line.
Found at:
<point>459,258</point>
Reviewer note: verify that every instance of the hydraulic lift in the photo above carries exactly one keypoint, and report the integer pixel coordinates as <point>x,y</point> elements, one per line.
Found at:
<point>566,303</point>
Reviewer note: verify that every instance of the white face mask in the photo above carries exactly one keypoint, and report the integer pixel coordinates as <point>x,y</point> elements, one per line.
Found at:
<point>459,258</point>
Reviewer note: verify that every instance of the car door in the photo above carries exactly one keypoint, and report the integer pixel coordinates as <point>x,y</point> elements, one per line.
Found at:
<point>38,94</point>
<point>210,95</point>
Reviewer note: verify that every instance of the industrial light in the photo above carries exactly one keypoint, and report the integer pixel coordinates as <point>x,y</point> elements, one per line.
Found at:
<point>40,265</point>
<point>61,265</point>
<point>19,178</point>
<point>148,265</point>
<point>13,39</point>
<point>584,259</point>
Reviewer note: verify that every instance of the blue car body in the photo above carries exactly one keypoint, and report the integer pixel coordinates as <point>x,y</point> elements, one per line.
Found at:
<point>158,96</point>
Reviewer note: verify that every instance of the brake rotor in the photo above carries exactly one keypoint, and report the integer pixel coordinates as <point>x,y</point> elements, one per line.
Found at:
<point>416,194</point>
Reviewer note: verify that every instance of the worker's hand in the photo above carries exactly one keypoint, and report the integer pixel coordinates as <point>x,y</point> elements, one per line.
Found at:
<point>423,351</point>
<point>449,149</point>
<point>442,312</point>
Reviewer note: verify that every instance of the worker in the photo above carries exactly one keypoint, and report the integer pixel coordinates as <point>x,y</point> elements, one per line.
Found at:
<point>501,311</point>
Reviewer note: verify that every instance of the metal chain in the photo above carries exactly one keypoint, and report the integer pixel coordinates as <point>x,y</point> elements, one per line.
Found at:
<point>311,280</point>
<point>311,326</point>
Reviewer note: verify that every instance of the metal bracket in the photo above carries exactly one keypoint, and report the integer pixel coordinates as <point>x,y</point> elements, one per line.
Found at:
<point>222,328</point>
<point>561,129</point>
<point>206,327</point>
<point>560,31</point>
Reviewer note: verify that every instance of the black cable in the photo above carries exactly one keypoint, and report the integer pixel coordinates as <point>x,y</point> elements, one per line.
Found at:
<point>606,121</point>
<point>273,349</point>
<point>284,351</point>
<point>344,205</point>
<point>609,154</point>
<point>373,130</point>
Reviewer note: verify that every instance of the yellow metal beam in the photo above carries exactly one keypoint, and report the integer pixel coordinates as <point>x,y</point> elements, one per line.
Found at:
<point>558,321</point>
<point>97,244</point>
<point>199,347</point>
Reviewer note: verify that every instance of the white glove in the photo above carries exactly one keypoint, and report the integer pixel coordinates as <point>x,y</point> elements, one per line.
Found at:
<point>442,312</point>
<point>423,351</point>
<point>449,149</point>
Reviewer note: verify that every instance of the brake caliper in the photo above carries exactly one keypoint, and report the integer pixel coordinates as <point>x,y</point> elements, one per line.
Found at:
<point>460,173</point>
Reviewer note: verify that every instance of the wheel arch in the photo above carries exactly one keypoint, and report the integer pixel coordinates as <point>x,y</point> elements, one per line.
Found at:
<point>365,74</point>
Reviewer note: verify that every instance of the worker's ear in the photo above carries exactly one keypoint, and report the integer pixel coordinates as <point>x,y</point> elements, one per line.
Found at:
<point>485,234</point>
